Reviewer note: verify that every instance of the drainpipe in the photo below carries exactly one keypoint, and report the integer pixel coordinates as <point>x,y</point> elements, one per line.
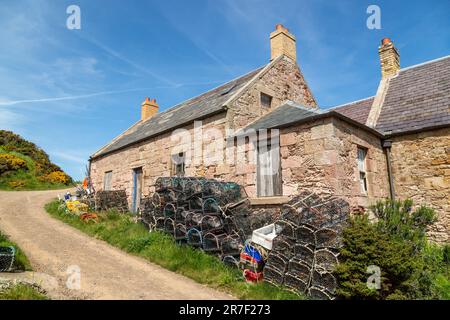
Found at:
<point>387,144</point>
<point>91,188</point>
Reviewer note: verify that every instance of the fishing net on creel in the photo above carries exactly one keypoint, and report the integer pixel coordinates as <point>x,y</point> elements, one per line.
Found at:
<point>273,275</point>
<point>300,269</point>
<point>277,261</point>
<point>230,261</point>
<point>316,293</point>
<point>284,245</point>
<point>212,242</point>
<point>304,254</point>
<point>325,259</point>
<point>7,255</point>
<point>314,223</point>
<point>231,245</point>
<point>180,232</point>
<point>194,237</point>
<point>324,280</point>
<point>295,283</point>
<point>210,223</point>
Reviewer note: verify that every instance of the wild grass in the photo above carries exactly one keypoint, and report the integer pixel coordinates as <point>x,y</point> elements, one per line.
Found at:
<point>21,262</point>
<point>121,231</point>
<point>22,292</point>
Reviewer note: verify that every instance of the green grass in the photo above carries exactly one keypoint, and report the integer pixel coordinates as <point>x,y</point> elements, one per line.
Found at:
<point>27,177</point>
<point>21,262</point>
<point>119,230</point>
<point>22,292</point>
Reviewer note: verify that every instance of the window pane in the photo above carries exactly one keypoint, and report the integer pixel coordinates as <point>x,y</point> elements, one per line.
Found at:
<point>266,100</point>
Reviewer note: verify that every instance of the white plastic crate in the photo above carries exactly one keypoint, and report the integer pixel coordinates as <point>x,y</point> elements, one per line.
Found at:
<point>264,236</point>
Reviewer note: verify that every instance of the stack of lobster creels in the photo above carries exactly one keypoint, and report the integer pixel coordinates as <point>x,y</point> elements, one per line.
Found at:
<point>200,212</point>
<point>306,251</point>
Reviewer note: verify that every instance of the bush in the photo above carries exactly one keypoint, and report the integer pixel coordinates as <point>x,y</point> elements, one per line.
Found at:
<point>396,243</point>
<point>9,162</point>
<point>57,177</point>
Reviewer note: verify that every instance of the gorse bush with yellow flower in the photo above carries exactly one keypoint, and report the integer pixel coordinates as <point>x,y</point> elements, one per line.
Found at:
<point>25,166</point>
<point>9,162</point>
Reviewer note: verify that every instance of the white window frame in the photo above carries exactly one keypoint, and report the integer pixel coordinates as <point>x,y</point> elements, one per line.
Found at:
<point>362,169</point>
<point>107,182</point>
<point>178,164</point>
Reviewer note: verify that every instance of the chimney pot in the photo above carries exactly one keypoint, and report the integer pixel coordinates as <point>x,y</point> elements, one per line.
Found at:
<point>282,42</point>
<point>389,58</point>
<point>148,108</point>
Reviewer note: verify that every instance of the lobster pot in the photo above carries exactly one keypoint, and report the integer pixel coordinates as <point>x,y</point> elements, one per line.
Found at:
<point>230,261</point>
<point>305,254</point>
<point>286,228</point>
<point>319,294</point>
<point>210,207</point>
<point>193,220</point>
<point>278,261</point>
<point>180,232</point>
<point>213,242</point>
<point>325,259</point>
<point>194,237</point>
<point>327,238</point>
<point>284,246</point>
<point>169,211</point>
<point>167,196</point>
<point>295,283</point>
<point>325,280</point>
<point>305,235</point>
<point>165,183</point>
<point>273,276</point>
<point>300,270</point>
<point>231,245</point>
<point>211,223</point>
<point>196,204</point>
<point>169,226</point>
<point>7,255</point>
<point>159,223</point>
<point>181,214</point>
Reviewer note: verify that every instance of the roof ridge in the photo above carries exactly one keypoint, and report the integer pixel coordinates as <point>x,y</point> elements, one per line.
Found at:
<point>352,102</point>
<point>174,107</point>
<point>424,63</point>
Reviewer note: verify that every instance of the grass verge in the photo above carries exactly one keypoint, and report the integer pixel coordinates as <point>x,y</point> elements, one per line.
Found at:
<point>21,292</point>
<point>21,263</point>
<point>120,231</point>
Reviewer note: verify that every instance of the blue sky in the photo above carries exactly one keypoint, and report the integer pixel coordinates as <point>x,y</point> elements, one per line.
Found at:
<point>71,91</point>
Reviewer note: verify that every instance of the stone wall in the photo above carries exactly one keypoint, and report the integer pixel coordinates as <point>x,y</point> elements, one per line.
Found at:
<point>321,156</point>
<point>284,81</point>
<point>421,170</point>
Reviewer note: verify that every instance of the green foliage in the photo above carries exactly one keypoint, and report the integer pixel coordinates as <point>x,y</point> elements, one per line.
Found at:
<point>24,166</point>
<point>396,243</point>
<point>21,262</point>
<point>21,292</point>
<point>121,231</point>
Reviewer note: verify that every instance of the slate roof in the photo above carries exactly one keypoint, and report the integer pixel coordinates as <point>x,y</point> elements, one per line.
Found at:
<point>357,110</point>
<point>206,104</point>
<point>289,112</point>
<point>417,98</point>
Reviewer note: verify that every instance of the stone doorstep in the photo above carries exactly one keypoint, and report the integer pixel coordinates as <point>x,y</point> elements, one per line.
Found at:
<point>268,200</point>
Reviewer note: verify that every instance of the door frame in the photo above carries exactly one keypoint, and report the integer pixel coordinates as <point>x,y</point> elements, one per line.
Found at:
<point>136,172</point>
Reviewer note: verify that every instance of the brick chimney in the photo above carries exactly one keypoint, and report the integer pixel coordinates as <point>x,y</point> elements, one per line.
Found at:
<point>389,58</point>
<point>282,42</point>
<point>148,108</point>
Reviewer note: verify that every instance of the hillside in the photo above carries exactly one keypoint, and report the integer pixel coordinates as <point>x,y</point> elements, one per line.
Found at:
<point>25,166</point>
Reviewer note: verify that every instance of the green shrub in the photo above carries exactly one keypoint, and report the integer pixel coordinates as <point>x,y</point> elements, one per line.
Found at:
<point>395,243</point>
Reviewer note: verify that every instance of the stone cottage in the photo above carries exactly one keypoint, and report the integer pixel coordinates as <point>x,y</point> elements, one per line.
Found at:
<point>265,131</point>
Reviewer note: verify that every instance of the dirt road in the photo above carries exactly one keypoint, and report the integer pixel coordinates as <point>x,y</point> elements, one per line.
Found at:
<point>105,272</point>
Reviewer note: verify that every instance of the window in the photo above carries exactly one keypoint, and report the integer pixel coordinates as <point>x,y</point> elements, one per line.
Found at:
<point>107,181</point>
<point>362,153</point>
<point>268,169</point>
<point>178,164</point>
<point>266,100</point>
